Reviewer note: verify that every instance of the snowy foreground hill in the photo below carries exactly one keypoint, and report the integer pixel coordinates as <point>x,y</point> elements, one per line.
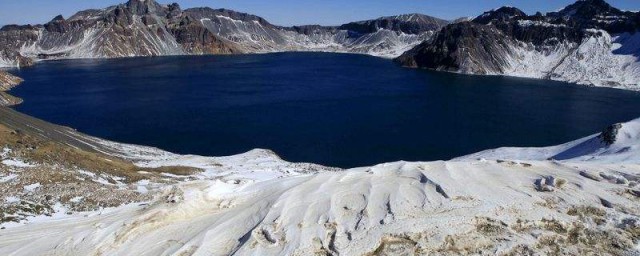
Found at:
<point>580,198</point>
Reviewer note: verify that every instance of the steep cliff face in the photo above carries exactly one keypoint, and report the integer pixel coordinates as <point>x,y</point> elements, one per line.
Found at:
<point>147,28</point>
<point>453,46</point>
<point>589,42</point>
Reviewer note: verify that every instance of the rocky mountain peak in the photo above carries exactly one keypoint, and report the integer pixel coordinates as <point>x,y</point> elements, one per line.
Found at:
<point>58,18</point>
<point>57,24</point>
<point>142,7</point>
<point>501,14</point>
<point>414,23</point>
<point>587,9</point>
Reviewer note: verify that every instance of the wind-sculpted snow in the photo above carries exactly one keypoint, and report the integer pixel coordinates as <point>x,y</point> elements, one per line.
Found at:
<point>440,207</point>
<point>506,201</point>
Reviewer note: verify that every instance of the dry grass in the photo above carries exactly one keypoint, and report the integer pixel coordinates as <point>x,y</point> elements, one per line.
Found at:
<point>42,151</point>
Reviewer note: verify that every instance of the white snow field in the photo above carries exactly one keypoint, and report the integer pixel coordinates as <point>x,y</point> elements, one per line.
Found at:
<point>510,201</point>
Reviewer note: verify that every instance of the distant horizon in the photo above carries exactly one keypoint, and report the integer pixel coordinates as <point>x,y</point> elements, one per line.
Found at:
<point>301,12</point>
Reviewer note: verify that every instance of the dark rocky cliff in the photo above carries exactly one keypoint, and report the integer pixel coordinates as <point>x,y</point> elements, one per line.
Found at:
<point>483,45</point>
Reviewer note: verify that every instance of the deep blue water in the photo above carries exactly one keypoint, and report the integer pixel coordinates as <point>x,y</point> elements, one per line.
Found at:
<point>333,109</point>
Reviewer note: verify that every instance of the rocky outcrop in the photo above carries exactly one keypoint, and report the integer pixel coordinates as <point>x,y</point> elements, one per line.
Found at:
<point>147,28</point>
<point>197,39</point>
<point>589,42</point>
<point>7,82</point>
<point>450,49</point>
<point>610,134</point>
<point>7,100</point>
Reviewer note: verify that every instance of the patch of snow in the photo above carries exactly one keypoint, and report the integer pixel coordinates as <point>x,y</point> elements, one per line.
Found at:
<point>90,174</point>
<point>11,199</point>
<point>5,152</point>
<point>32,187</point>
<point>76,199</point>
<point>142,186</point>
<point>8,178</point>
<point>528,23</point>
<point>17,163</point>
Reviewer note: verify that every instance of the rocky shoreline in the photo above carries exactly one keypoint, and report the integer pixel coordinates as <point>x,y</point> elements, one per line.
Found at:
<point>7,82</point>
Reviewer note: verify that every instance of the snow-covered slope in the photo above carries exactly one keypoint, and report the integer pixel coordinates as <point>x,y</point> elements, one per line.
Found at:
<point>586,203</point>
<point>617,144</point>
<point>600,60</point>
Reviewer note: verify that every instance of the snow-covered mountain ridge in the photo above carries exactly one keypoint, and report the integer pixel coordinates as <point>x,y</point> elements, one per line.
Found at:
<point>147,28</point>
<point>589,42</point>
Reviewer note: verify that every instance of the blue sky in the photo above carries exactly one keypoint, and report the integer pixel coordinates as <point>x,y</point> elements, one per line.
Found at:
<point>297,12</point>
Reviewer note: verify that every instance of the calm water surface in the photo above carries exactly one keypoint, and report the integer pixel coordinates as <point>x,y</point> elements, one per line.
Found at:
<point>333,109</point>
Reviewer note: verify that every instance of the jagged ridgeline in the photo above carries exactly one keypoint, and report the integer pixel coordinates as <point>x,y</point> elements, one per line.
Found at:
<point>147,28</point>
<point>588,42</point>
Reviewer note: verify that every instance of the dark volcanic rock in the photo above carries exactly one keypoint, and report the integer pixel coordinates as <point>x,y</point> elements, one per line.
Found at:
<point>587,10</point>
<point>459,43</point>
<point>610,134</point>
<point>58,24</point>
<point>500,15</point>
<point>408,23</point>
<point>142,7</point>
<point>598,14</point>
<point>482,46</point>
<point>196,39</point>
<point>313,29</point>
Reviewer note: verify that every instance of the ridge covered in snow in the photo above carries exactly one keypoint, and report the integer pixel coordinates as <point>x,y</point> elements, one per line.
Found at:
<point>146,28</point>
